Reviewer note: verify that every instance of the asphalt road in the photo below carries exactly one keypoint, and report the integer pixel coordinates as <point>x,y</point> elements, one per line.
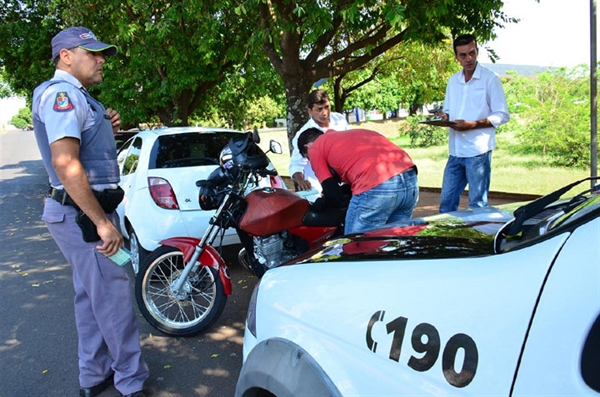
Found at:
<point>38,340</point>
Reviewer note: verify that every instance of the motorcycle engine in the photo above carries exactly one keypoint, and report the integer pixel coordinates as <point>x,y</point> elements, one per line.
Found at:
<point>274,249</point>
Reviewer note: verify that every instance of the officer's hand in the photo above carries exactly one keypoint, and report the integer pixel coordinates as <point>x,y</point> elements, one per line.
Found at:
<point>112,240</point>
<point>115,119</point>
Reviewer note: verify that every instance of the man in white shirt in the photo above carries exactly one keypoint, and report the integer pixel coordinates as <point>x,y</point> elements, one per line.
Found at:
<point>321,117</point>
<point>476,103</point>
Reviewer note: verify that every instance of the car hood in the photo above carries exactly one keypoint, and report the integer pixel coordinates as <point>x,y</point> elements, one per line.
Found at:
<point>456,234</point>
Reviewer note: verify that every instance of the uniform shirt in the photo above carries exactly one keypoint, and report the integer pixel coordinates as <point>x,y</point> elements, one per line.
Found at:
<point>337,122</point>
<point>64,110</point>
<point>66,95</point>
<point>362,158</point>
<point>480,98</point>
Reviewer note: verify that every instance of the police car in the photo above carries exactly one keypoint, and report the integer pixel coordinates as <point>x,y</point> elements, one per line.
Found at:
<point>497,301</point>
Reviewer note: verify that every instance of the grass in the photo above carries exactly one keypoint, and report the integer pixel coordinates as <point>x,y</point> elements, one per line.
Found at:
<point>524,174</point>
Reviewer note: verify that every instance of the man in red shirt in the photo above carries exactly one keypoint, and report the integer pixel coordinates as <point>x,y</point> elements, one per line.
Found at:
<point>382,176</point>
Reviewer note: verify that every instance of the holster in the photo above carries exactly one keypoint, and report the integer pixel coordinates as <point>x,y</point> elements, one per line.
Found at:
<point>109,200</point>
<point>88,229</point>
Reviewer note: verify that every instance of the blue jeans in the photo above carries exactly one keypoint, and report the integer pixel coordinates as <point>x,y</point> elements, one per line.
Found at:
<point>393,200</point>
<point>460,171</point>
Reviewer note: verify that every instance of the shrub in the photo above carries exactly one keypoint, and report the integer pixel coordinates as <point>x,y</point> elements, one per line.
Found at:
<point>422,135</point>
<point>23,119</point>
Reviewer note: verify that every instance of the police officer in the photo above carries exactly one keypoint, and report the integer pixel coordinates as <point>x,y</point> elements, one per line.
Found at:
<point>74,133</point>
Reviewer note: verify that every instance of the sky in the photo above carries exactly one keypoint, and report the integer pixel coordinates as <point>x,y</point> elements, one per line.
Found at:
<point>550,33</point>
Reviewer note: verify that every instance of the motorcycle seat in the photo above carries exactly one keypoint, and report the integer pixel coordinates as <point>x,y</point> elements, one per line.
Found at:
<point>330,217</point>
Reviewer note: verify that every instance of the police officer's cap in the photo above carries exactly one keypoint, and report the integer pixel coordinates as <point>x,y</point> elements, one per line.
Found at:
<point>80,37</point>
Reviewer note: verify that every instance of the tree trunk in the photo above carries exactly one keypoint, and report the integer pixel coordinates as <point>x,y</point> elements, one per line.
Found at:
<point>296,99</point>
<point>412,109</point>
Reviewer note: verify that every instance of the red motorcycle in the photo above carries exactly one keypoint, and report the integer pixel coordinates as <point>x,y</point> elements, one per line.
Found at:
<point>182,287</point>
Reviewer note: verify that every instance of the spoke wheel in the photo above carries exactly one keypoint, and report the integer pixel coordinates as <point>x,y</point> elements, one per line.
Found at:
<point>184,312</point>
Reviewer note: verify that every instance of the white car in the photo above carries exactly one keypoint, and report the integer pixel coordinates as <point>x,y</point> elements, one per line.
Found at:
<point>159,169</point>
<point>497,301</point>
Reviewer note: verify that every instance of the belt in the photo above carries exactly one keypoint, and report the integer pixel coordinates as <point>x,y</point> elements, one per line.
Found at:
<point>61,196</point>
<point>108,199</point>
<point>413,168</point>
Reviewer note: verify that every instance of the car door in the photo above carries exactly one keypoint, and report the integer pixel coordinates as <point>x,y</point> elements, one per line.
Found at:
<point>564,329</point>
<point>128,159</point>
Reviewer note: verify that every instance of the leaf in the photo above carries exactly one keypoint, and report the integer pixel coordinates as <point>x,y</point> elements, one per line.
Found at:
<point>45,371</point>
<point>214,355</point>
<point>168,366</point>
<point>35,285</point>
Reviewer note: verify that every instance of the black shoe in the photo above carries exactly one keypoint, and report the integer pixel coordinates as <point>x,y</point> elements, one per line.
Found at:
<point>96,390</point>
<point>139,393</point>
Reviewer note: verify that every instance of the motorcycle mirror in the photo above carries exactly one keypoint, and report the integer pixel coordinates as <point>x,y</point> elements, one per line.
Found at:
<point>275,147</point>
<point>255,136</point>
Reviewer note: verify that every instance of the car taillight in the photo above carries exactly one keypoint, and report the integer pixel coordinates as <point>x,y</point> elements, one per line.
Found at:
<point>162,193</point>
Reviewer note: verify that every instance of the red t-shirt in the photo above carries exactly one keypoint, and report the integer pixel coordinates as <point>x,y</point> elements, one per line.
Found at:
<point>362,158</point>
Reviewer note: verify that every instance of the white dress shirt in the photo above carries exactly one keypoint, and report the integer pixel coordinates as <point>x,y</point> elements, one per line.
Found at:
<point>480,98</point>
<point>337,121</point>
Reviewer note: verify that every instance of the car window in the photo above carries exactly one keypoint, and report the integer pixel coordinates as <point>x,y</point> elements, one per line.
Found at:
<point>131,160</point>
<point>122,153</point>
<point>189,149</point>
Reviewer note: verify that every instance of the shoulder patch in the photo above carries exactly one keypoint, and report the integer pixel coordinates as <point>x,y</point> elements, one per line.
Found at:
<point>62,103</point>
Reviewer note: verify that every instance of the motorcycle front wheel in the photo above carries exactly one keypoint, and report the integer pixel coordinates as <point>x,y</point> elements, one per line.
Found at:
<point>187,312</point>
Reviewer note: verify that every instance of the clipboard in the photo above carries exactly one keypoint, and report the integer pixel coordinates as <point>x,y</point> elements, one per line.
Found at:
<point>438,122</point>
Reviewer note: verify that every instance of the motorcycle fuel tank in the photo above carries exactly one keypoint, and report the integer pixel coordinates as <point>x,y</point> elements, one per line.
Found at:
<point>272,210</point>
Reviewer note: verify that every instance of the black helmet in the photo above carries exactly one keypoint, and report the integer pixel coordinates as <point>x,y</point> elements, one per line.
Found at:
<point>208,195</point>
<point>226,158</point>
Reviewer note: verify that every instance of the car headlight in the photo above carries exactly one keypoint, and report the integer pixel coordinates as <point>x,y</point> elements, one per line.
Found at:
<point>251,315</point>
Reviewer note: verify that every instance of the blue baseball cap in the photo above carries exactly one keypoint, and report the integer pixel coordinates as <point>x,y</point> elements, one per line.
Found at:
<point>80,37</point>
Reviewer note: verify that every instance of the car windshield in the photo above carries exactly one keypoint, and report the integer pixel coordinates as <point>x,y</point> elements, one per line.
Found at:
<point>549,215</point>
<point>189,149</point>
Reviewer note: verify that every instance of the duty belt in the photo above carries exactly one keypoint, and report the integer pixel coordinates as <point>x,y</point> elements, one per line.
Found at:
<point>61,196</point>
<point>109,199</point>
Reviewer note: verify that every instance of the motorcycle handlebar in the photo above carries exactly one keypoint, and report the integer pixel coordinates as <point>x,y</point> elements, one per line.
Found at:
<point>270,172</point>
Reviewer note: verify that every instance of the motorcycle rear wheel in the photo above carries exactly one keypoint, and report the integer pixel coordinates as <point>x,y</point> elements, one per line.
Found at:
<point>192,311</point>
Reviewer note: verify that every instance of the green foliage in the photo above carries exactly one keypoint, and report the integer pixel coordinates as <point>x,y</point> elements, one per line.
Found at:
<point>22,119</point>
<point>411,74</point>
<point>171,55</point>
<point>551,116</point>
<point>330,38</point>
<point>262,112</point>
<point>5,91</point>
<point>422,135</point>
<point>243,89</point>
<point>175,58</point>
<point>26,28</point>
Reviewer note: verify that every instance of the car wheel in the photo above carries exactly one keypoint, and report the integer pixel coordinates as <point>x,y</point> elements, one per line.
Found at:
<point>137,251</point>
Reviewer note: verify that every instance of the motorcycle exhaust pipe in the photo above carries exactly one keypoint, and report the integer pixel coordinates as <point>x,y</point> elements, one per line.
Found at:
<point>251,266</point>
<point>244,260</point>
